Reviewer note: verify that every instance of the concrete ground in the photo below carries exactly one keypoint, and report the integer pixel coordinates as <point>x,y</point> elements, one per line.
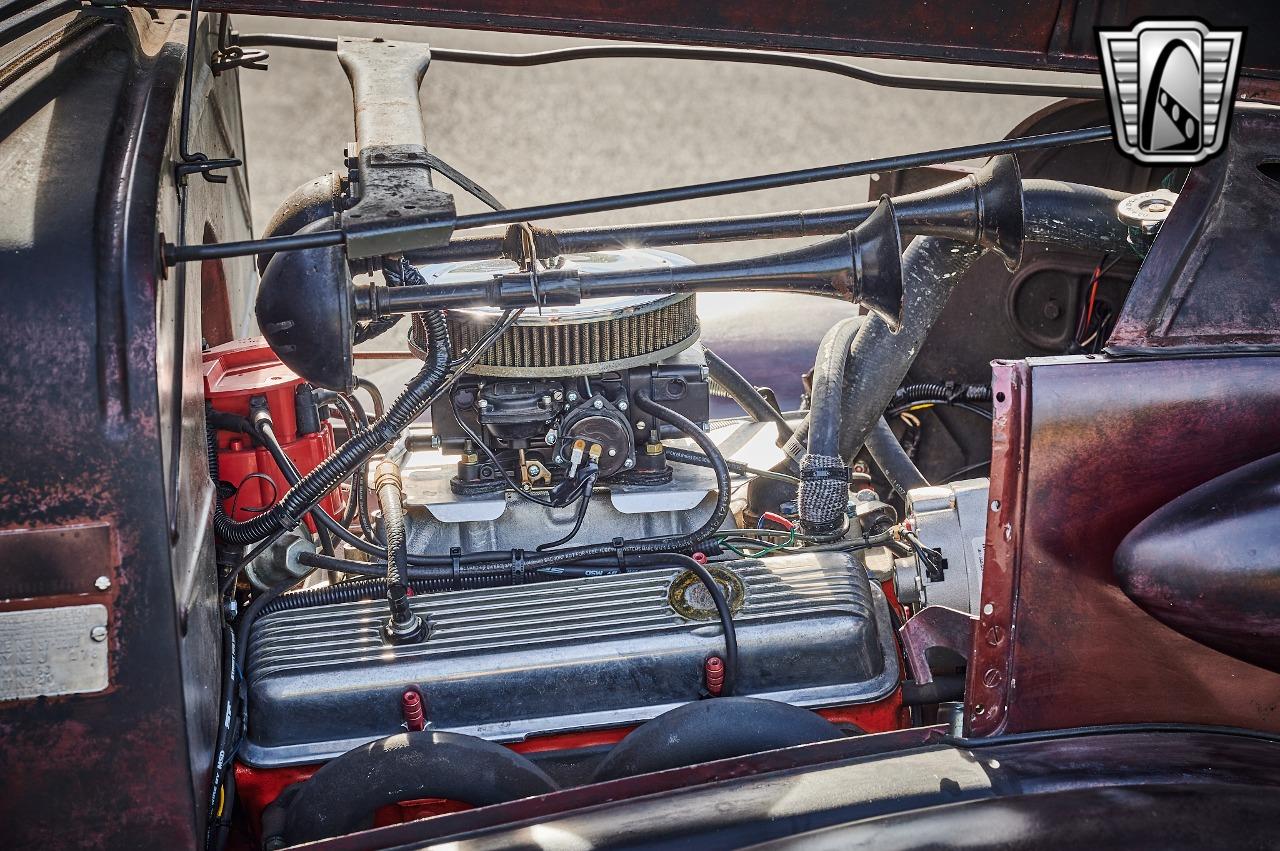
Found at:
<point>601,127</point>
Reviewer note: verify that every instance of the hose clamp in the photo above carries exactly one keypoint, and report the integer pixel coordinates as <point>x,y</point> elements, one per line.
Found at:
<point>529,252</point>
<point>455,567</point>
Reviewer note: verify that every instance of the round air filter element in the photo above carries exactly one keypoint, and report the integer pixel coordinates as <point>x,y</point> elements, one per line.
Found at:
<point>596,336</point>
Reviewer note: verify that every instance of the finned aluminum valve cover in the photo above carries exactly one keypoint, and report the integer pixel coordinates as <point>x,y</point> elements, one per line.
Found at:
<point>507,663</point>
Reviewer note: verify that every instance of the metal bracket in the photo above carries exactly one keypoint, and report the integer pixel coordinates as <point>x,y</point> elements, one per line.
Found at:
<point>199,163</point>
<point>397,208</point>
<point>935,626</point>
<point>230,55</point>
<point>234,56</point>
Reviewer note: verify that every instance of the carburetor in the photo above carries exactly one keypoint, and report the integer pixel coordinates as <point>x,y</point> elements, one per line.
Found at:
<point>563,381</point>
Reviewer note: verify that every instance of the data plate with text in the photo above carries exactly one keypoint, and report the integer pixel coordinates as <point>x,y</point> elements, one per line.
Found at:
<point>47,652</point>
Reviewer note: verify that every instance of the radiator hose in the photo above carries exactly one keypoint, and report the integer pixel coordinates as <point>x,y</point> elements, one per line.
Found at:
<point>1054,213</point>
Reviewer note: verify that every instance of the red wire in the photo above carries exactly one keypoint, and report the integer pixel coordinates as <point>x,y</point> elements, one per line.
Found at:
<point>1093,294</point>
<point>775,518</point>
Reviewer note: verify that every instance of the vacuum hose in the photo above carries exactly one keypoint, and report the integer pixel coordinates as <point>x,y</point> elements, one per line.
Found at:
<point>727,379</point>
<point>403,626</point>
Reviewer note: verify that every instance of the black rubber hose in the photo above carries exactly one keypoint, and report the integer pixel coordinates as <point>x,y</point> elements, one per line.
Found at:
<point>731,661</point>
<point>943,688</point>
<point>344,794</point>
<point>330,472</point>
<point>893,461</point>
<point>708,730</point>
<point>245,622</point>
<point>353,425</point>
<point>1054,213</point>
<point>829,368</point>
<point>823,494</point>
<point>375,395</point>
<point>746,395</point>
<point>697,459</point>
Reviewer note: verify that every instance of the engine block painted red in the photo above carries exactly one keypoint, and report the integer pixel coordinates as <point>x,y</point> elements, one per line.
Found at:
<point>258,787</point>
<point>234,374</point>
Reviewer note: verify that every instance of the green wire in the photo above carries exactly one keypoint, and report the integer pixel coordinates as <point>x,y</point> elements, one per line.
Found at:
<point>761,553</point>
<point>791,539</point>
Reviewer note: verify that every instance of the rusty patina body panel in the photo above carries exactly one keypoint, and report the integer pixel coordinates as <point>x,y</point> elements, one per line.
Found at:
<point>1085,448</point>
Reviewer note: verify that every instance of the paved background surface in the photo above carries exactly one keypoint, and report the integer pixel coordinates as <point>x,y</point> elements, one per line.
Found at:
<point>597,127</point>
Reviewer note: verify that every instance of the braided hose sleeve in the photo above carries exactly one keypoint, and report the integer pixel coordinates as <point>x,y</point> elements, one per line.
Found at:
<point>390,498</point>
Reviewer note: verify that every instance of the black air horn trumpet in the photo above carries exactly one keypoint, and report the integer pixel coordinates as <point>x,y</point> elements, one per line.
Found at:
<point>983,208</point>
<point>307,305</point>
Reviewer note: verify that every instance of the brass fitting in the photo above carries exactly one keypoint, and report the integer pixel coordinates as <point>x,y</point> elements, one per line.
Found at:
<point>387,473</point>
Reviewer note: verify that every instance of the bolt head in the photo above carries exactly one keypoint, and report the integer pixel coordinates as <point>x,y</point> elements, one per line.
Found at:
<point>482,403</point>
<point>598,404</point>
<point>98,633</point>
<point>551,437</point>
<point>557,460</point>
<point>557,395</point>
<point>628,463</point>
<point>572,397</point>
<point>622,405</point>
<point>535,470</point>
<point>641,425</point>
<point>102,583</point>
<point>612,452</point>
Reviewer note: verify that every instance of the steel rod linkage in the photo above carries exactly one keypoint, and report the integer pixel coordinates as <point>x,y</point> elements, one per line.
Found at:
<point>180,254</point>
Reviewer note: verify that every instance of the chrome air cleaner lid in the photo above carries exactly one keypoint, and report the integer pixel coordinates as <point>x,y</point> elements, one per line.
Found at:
<point>596,336</point>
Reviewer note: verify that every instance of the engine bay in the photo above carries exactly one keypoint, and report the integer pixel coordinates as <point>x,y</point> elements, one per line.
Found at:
<point>570,548</point>
<point>565,550</point>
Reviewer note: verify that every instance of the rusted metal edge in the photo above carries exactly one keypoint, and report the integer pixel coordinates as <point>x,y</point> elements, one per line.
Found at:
<point>988,686</point>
